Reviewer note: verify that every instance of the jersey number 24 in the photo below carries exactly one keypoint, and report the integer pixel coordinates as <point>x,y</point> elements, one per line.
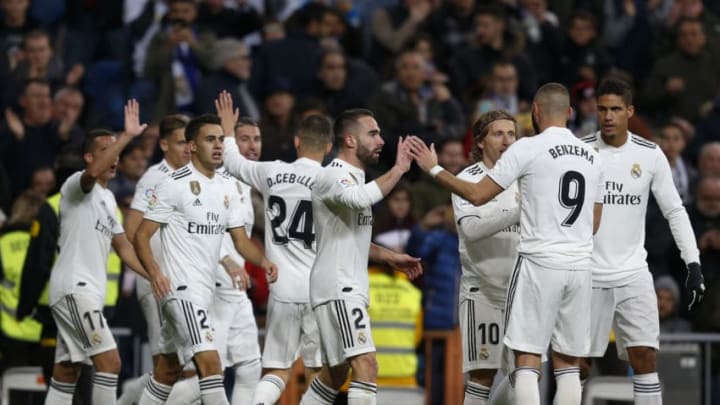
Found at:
<point>300,226</point>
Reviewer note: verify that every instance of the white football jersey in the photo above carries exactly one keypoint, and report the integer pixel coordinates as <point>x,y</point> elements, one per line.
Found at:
<point>631,172</point>
<point>342,203</point>
<point>195,212</point>
<point>142,197</point>
<point>224,283</point>
<point>88,222</point>
<point>488,261</point>
<point>289,228</point>
<point>559,178</point>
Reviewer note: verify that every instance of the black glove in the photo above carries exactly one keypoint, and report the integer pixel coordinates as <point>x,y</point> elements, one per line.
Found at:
<point>695,283</point>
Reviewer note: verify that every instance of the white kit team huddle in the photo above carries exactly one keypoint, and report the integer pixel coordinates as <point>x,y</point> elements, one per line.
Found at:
<point>534,276</point>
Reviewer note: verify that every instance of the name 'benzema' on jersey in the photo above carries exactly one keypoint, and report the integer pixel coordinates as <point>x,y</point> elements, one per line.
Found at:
<point>196,211</point>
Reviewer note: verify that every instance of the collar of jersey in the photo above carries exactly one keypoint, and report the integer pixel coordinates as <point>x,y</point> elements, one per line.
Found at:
<point>199,174</point>
<point>310,161</point>
<point>621,147</point>
<point>350,167</point>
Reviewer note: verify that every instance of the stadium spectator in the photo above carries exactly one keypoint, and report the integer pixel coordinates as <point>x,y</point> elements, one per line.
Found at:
<point>709,160</point>
<point>231,63</point>
<point>344,82</point>
<point>67,107</point>
<point>14,24</point>
<point>177,57</point>
<point>672,143</point>
<point>393,28</point>
<point>32,140</point>
<point>582,96</point>
<point>668,297</point>
<point>43,181</point>
<point>493,40</point>
<point>294,57</point>
<point>394,218</point>
<point>502,91</point>
<point>131,167</point>
<point>452,26</point>
<point>225,22</point>
<point>278,122</point>
<point>682,81</point>
<point>705,218</point>
<point>582,56</point>
<point>627,32</point>
<point>707,130</point>
<point>410,105</point>
<point>542,35</point>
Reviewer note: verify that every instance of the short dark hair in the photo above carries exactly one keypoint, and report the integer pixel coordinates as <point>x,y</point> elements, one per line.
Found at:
<point>481,127</point>
<point>192,130</point>
<point>36,33</point>
<point>346,120</point>
<point>89,143</point>
<point>493,10</point>
<point>617,87</point>
<point>246,122</point>
<point>170,123</point>
<point>29,82</point>
<point>130,148</point>
<point>584,15</point>
<point>315,131</point>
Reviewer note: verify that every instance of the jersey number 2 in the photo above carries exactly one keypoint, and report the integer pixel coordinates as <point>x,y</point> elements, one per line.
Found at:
<point>301,222</point>
<point>572,195</point>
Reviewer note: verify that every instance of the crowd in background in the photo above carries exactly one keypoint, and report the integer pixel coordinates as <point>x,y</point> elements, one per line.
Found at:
<point>424,67</point>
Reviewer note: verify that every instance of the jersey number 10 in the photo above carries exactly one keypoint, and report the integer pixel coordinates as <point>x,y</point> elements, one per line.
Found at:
<point>301,222</point>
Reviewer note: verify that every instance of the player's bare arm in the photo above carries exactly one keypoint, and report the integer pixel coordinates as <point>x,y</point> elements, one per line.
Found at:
<point>409,265</point>
<point>251,253</point>
<point>109,156</point>
<point>160,283</point>
<point>240,278</point>
<point>125,250</point>
<point>132,222</point>
<point>477,193</point>
<point>403,160</point>
<point>597,217</point>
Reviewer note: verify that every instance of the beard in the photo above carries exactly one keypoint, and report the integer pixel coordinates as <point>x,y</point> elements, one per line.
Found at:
<point>366,155</point>
<point>535,125</point>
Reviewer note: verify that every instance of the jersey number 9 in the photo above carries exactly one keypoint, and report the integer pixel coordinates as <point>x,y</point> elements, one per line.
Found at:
<point>572,195</point>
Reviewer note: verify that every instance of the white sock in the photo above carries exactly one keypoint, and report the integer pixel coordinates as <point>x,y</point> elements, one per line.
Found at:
<point>362,393</point>
<point>502,394</point>
<point>318,394</point>
<point>104,388</point>
<point>212,391</point>
<point>569,390</point>
<point>247,375</point>
<point>476,394</point>
<point>132,390</point>
<point>60,393</point>
<point>646,388</point>
<point>185,392</point>
<point>154,393</point>
<point>268,390</point>
<point>525,382</point>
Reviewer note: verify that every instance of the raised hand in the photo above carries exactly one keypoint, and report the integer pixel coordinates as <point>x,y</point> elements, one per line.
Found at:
<point>15,124</point>
<point>132,119</point>
<point>425,157</point>
<point>403,159</point>
<point>228,116</point>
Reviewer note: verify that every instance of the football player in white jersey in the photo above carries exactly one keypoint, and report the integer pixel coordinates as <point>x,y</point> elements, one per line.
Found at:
<point>176,154</point>
<point>236,332</point>
<point>559,179</point>
<point>341,209</point>
<point>194,207</point>
<point>88,227</point>
<point>623,296</point>
<point>489,237</point>
<point>290,244</point>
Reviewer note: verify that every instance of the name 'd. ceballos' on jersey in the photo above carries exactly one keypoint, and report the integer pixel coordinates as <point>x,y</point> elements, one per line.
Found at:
<point>291,178</point>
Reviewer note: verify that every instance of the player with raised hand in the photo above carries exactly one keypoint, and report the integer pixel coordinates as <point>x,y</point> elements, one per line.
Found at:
<point>291,329</point>
<point>89,227</point>
<point>195,206</point>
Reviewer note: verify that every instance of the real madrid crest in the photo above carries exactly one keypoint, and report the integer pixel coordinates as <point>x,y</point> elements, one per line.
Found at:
<point>96,339</point>
<point>195,187</point>
<point>484,353</point>
<point>361,338</point>
<point>635,171</point>
<point>226,201</point>
<point>208,336</point>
